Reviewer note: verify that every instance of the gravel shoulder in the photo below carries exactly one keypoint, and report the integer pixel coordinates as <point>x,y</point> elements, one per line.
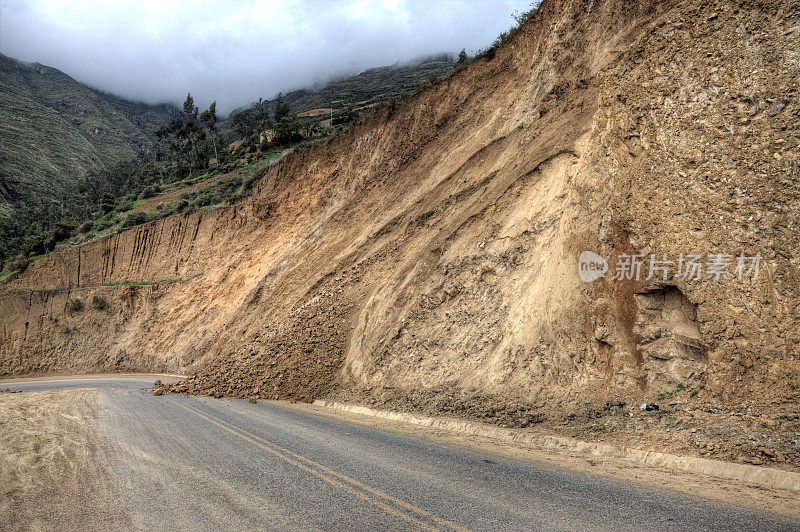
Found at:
<point>52,467</point>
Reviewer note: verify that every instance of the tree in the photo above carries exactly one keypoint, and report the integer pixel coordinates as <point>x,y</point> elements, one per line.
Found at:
<point>261,113</point>
<point>35,241</point>
<point>184,137</point>
<point>286,131</point>
<point>209,118</point>
<point>282,109</point>
<point>107,202</point>
<point>191,130</point>
<point>309,128</point>
<point>462,58</point>
<point>253,120</point>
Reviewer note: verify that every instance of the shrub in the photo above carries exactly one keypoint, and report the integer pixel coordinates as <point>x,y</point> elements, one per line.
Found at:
<point>208,198</point>
<point>108,202</point>
<point>87,227</point>
<point>462,58</point>
<point>523,17</point>
<point>35,242</point>
<point>106,222</point>
<point>99,302</point>
<point>150,191</point>
<point>74,305</point>
<point>248,180</point>
<point>63,229</point>
<point>136,218</point>
<point>19,265</point>
<point>233,196</point>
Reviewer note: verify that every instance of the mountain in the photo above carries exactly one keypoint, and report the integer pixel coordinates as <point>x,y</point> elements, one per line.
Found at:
<point>55,130</point>
<point>364,90</point>
<point>372,86</point>
<point>429,258</point>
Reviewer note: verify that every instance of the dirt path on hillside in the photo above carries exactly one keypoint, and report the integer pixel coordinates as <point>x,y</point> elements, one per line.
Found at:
<point>52,467</point>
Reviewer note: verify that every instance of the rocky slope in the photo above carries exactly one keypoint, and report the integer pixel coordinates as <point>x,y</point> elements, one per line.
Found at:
<point>429,258</point>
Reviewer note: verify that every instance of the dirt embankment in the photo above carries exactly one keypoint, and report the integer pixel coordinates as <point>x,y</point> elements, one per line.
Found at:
<point>433,251</point>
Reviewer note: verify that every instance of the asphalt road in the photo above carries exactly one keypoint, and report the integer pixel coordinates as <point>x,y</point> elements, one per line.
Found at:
<point>192,463</point>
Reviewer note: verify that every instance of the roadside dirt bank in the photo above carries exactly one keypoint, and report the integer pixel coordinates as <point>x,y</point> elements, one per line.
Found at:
<point>428,258</point>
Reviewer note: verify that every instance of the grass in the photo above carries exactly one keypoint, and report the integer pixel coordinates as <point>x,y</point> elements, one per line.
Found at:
<point>223,192</point>
<point>671,393</point>
<point>148,283</point>
<point>120,283</point>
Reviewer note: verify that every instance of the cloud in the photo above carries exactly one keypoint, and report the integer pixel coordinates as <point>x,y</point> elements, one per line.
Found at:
<point>237,51</point>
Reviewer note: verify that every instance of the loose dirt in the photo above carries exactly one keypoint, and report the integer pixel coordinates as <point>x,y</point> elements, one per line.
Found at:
<point>52,469</point>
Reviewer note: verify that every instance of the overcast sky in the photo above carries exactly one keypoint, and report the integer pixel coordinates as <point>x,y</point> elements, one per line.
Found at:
<point>237,51</point>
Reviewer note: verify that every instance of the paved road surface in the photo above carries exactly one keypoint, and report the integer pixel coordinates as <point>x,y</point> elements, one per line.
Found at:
<point>195,463</point>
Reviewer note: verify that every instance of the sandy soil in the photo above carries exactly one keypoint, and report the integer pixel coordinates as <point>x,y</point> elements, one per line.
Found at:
<point>52,468</point>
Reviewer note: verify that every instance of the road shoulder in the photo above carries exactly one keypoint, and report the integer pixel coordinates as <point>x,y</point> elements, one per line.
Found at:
<point>53,469</point>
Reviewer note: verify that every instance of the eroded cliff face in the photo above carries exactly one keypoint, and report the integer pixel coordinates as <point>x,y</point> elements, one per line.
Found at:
<point>436,245</point>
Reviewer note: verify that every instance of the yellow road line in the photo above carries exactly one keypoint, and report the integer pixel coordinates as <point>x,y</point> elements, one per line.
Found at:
<point>298,464</point>
<point>353,481</point>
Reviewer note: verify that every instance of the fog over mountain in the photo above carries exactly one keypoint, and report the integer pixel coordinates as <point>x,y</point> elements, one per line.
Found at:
<point>236,52</point>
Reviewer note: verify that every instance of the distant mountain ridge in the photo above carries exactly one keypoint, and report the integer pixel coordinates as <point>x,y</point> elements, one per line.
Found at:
<point>370,87</point>
<point>55,130</point>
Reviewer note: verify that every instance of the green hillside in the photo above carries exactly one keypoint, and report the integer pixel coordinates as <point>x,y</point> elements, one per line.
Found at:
<point>350,97</point>
<point>66,147</point>
<point>56,130</point>
<point>372,86</point>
